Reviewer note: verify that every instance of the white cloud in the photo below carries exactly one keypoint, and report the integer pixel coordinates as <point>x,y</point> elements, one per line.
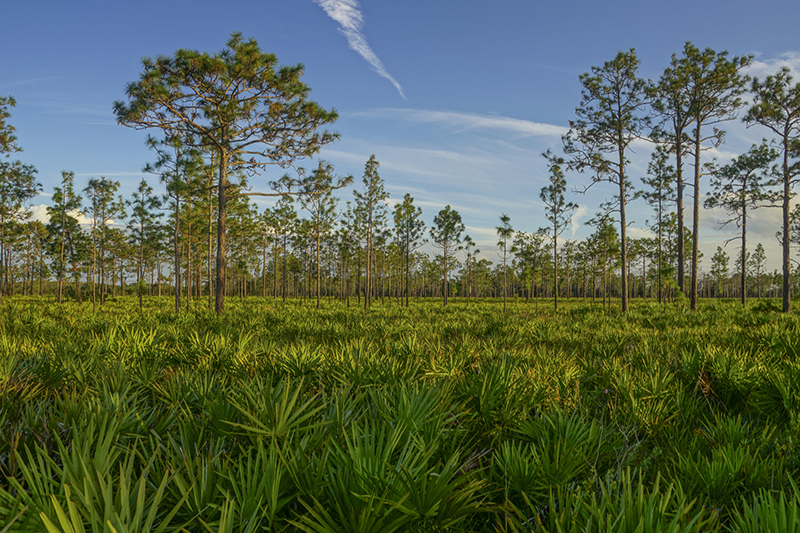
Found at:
<point>472,121</point>
<point>348,14</point>
<point>762,68</point>
<point>39,212</point>
<point>576,218</point>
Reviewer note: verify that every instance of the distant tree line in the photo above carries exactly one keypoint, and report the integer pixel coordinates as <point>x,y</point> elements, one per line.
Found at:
<point>222,118</point>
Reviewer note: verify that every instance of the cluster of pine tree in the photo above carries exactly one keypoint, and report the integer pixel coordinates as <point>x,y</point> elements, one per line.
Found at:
<point>224,117</point>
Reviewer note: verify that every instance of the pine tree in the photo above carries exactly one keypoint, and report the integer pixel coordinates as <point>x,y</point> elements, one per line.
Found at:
<point>17,186</point>
<point>505,232</point>
<point>409,229</point>
<point>318,200</point>
<point>446,236</point>
<point>719,269</point>
<point>239,104</point>
<point>776,106</point>
<point>143,228</point>
<point>738,188</point>
<point>610,118</point>
<point>103,208</point>
<point>557,211</point>
<point>715,86</point>
<point>62,224</point>
<point>661,177</point>
<point>371,212</point>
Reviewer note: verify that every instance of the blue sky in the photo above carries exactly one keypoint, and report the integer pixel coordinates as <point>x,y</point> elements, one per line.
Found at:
<point>486,86</point>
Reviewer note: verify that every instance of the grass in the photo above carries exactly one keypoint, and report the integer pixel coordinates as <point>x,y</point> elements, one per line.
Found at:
<point>279,417</point>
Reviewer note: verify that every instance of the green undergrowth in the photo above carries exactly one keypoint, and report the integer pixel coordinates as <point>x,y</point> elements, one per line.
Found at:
<point>282,417</point>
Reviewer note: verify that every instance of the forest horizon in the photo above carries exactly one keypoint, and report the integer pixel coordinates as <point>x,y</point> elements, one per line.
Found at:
<point>681,116</point>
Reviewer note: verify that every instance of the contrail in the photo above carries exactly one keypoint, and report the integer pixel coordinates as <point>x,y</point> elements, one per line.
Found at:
<point>348,14</point>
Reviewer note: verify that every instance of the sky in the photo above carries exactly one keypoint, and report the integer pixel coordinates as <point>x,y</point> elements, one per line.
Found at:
<point>456,99</point>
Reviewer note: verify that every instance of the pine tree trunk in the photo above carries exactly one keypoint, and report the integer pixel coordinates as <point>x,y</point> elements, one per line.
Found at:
<point>623,226</point>
<point>219,289</point>
<point>786,228</point>
<point>177,254</point>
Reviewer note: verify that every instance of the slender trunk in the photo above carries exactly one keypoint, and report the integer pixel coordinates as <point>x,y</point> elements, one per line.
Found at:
<point>623,226</point>
<point>505,278</point>
<point>555,262</point>
<point>141,266</point>
<point>679,209</point>
<point>346,280</point>
<point>94,269</point>
<point>275,267</point>
<point>695,218</point>
<point>189,272</point>
<point>219,289</point>
<point>209,243</point>
<point>358,276</point>
<point>318,265</point>
<point>744,255</point>
<point>468,279</point>
<point>660,259</point>
<point>113,276</point>
<point>446,277</point>
<point>283,273</point>
<point>383,281</point>
<point>61,254</point>
<point>368,280</point>
<point>786,228</point>
<point>264,268</point>
<point>102,257</point>
<point>407,269</point>
<point>605,279</point>
<point>177,253</point>
<point>644,276</point>
<point>2,259</point>
<point>27,279</point>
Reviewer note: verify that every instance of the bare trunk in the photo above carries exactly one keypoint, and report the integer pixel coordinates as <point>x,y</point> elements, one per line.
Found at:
<point>695,218</point>
<point>623,227</point>
<point>189,273</point>
<point>219,289</point>
<point>209,243</point>
<point>318,265</point>
<point>744,256</point>
<point>61,255</point>
<point>555,264</point>
<point>786,229</point>
<point>177,254</point>
<point>679,186</point>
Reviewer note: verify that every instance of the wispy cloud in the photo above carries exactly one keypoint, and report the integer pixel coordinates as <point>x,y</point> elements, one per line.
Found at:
<point>32,81</point>
<point>639,233</point>
<point>348,14</point>
<point>472,121</point>
<point>110,174</point>
<point>486,235</point>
